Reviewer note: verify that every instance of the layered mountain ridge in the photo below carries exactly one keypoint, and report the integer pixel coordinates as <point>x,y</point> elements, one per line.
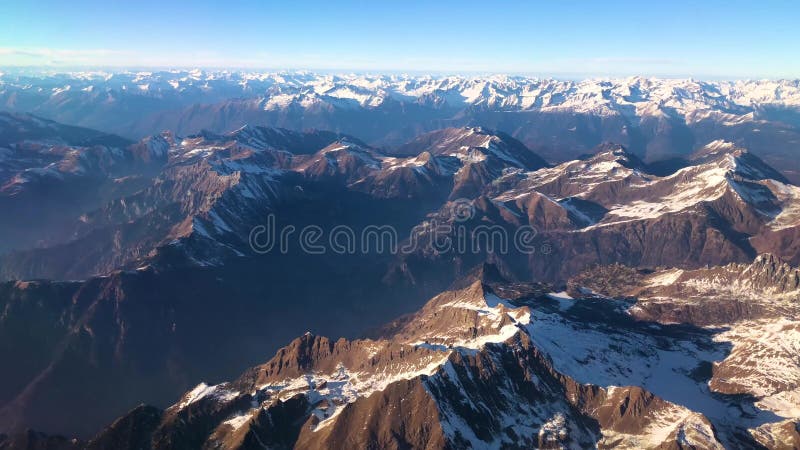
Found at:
<point>678,325</point>
<point>213,189</point>
<point>721,206</point>
<point>560,119</point>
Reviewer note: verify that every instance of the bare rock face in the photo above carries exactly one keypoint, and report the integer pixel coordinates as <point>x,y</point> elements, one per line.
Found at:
<point>411,422</point>
<point>784,435</point>
<point>782,241</point>
<point>129,431</point>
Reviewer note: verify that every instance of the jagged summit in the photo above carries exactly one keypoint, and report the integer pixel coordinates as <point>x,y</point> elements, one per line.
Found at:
<point>473,144</point>
<point>737,159</point>
<point>717,147</point>
<point>486,272</point>
<point>610,152</point>
<point>767,273</point>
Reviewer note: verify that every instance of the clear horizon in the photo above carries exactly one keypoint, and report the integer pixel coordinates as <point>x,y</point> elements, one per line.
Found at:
<point>715,40</point>
<point>35,71</point>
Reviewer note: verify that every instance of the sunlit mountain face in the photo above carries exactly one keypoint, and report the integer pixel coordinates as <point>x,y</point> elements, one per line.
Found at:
<point>227,259</point>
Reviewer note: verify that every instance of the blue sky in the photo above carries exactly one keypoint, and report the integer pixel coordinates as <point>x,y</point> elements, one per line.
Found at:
<point>711,39</point>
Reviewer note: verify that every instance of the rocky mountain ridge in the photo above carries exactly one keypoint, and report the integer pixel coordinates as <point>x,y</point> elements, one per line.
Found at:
<point>487,372</point>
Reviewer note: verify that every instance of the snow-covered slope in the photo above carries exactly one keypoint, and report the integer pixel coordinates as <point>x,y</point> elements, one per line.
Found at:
<point>635,95</point>
<point>753,308</point>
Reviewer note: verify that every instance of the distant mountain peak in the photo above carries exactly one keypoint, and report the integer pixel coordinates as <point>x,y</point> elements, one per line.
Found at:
<point>719,146</point>
<point>615,153</point>
<point>487,273</point>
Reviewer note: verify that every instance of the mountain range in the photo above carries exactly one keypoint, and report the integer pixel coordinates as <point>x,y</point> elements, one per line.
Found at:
<point>490,363</point>
<point>656,119</point>
<point>652,303</point>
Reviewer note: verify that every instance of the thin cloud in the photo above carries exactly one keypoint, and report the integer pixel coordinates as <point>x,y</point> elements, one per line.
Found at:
<point>57,56</point>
